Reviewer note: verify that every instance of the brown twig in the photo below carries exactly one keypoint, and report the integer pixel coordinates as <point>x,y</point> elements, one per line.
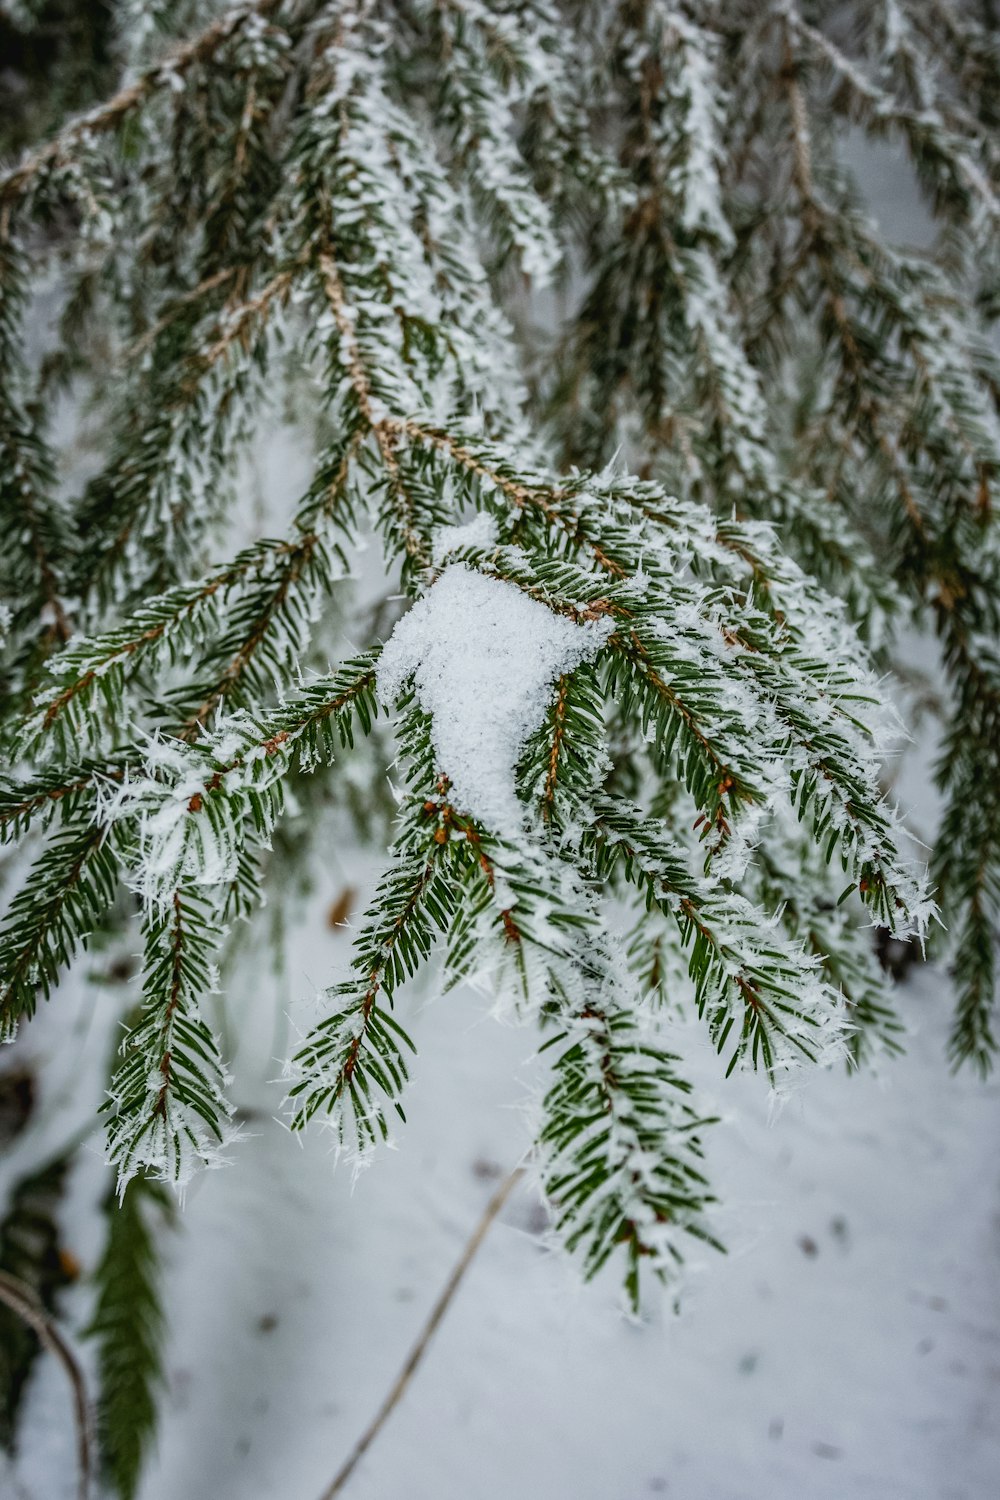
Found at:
<point>416,1354</point>
<point>23,1302</point>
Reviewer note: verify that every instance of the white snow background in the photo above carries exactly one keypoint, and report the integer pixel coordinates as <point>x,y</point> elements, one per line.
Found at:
<point>847,1348</point>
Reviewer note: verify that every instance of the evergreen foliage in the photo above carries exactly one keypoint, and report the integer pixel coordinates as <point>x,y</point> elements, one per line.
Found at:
<point>761,443</point>
<point>128,1327</point>
<point>57,58</point>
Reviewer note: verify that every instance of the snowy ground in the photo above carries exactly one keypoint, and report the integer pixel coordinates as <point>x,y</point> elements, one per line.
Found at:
<point>849,1345</point>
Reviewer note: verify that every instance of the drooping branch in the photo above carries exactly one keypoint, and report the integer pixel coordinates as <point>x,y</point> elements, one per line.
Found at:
<point>109,116</point>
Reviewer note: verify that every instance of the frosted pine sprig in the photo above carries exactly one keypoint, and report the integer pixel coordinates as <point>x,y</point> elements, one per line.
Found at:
<point>604,690</point>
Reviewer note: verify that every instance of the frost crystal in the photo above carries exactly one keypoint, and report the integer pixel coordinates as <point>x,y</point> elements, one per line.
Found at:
<point>484,659</point>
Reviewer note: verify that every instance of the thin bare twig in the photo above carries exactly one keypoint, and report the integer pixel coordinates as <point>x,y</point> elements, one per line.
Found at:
<point>416,1354</point>
<point>23,1302</point>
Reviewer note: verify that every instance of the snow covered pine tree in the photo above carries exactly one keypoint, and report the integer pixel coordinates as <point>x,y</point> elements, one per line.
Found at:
<point>601,686</point>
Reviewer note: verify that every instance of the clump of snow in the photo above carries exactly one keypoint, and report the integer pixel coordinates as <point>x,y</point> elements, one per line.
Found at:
<point>484,658</point>
<point>480,532</point>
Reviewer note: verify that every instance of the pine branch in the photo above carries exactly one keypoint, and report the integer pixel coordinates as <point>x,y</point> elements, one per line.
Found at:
<point>61,791</point>
<point>958,179</point>
<point>415,546</point>
<point>110,115</point>
<point>68,889</point>
<point>356,1054</point>
<point>557,644</point>
<point>189,409</point>
<point>810,913</point>
<point>167,1110</point>
<point>128,1327</point>
<point>620,1145</point>
<point>38,543</point>
<point>261,589</point>
<point>750,984</point>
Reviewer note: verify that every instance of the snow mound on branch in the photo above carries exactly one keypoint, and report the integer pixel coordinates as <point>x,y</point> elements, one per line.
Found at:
<point>484,658</point>
<point>481,532</point>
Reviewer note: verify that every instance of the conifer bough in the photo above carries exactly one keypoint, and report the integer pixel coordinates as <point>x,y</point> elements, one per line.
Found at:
<point>608,689</point>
